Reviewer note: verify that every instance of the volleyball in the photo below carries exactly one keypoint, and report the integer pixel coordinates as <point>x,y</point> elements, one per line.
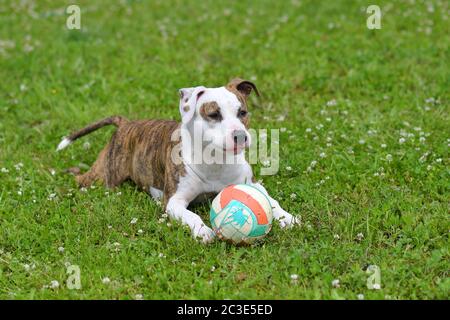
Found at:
<point>241,214</point>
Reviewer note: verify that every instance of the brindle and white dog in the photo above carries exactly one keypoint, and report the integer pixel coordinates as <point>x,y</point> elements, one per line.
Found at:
<point>144,150</point>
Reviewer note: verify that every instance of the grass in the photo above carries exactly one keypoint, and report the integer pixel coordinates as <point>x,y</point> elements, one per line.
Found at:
<point>374,103</point>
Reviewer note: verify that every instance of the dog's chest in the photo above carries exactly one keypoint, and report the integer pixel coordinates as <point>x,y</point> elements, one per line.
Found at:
<point>215,178</point>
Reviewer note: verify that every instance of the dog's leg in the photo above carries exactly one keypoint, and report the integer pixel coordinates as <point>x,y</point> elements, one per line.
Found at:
<point>285,218</point>
<point>95,173</point>
<point>177,209</point>
<point>156,194</point>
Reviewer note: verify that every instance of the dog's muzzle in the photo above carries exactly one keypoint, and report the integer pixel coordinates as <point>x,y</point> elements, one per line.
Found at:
<point>239,137</point>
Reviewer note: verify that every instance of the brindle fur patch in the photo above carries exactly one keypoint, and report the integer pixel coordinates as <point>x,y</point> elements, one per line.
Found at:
<point>208,108</point>
<point>140,151</point>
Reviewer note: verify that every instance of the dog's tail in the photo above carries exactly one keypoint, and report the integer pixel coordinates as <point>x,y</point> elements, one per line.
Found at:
<point>114,120</point>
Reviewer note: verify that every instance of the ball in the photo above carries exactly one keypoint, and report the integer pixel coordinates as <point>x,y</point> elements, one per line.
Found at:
<point>241,214</point>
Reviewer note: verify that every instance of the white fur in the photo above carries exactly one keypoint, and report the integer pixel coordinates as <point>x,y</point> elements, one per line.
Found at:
<point>63,144</point>
<point>208,177</point>
<point>156,194</point>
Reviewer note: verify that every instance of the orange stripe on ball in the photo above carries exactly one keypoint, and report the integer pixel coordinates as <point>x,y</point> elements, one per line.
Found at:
<point>231,193</point>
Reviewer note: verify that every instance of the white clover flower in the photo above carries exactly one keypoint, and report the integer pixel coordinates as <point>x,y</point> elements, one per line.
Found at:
<point>133,221</point>
<point>61,249</point>
<point>360,236</point>
<point>28,48</point>
<point>52,172</point>
<point>86,145</point>
<point>430,100</point>
<point>51,196</point>
<point>360,296</point>
<point>139,297</point>
<point>362,141</point>
<point>140,231</point>
<point>294,277</point>
<point>106,280</point>
<point>336,283</point>
<point>213,268</point>
<point>283,129</point>
<point>332,103</point>
<point>322,155</point>
<point>383,145</point>
<point>422,139</point>
<point>308,130</point>
<point>401,140</point>
<point>336,237</point>
<point>54,284</point>
<point>161,255</point>
<point>389,157</point>
<point>4,170</point>
<point>376,286</point>
<point>26,266</point>
<point>83,189</point>
<point>439,160</point>
<point>293,196</point>
<point>288,168</point>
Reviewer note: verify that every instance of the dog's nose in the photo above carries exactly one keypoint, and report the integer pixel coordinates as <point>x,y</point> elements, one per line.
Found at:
<point>239,137</point>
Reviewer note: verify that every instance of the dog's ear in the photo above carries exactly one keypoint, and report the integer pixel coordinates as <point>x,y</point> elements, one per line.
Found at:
<point>244,87</point>
<point>188,101</point>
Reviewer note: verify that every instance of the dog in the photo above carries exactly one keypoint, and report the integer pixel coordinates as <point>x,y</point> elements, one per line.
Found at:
<point>145,151</point>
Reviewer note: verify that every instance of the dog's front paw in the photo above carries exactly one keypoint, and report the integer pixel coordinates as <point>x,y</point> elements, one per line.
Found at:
<point>202,232</point>
<point>287,220</point>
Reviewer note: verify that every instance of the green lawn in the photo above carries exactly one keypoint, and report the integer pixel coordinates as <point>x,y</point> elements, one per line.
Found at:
<point>370,107</point>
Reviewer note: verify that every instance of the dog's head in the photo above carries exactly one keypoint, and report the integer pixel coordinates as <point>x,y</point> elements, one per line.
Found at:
<point>221,113</point>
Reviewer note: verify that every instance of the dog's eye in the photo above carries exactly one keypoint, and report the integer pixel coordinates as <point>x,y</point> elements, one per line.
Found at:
<point>242,113</point>
<point>214,115</point>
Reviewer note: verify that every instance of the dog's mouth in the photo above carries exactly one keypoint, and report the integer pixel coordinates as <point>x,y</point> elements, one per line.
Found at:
<point>235,150</point>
